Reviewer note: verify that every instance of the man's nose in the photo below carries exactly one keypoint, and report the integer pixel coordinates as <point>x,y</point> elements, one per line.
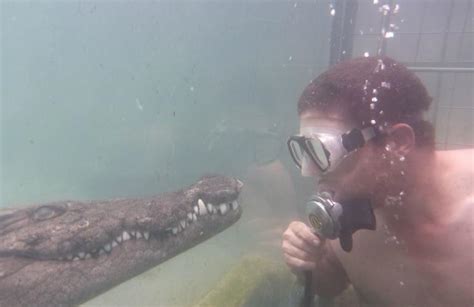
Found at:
<point>308,168</point>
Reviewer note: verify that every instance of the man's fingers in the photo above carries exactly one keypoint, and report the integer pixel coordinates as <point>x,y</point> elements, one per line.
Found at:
<point>293,263</point>
<point>298,243</point>
<point>308,236</point>
<point>293,251</point>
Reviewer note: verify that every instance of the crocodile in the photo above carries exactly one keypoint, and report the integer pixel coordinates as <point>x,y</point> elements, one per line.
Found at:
<point>64,253</point>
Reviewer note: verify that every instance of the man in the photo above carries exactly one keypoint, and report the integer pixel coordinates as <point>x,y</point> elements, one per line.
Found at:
<point>421,253</point>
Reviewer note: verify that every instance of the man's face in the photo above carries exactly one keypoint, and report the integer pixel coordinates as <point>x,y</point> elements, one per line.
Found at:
<point>357,175</point>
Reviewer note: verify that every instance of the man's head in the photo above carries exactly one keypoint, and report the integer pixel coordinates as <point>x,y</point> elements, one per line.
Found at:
<point>360,93</point>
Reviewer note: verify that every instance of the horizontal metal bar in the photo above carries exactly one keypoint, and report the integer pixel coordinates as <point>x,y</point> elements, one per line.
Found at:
<point>454,144</point>
<point>456,108</point>
<point>442,69</point>
<point>414,33</point>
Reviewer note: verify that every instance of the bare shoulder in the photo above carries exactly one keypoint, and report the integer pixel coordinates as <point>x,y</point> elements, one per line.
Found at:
<point>458,169</point>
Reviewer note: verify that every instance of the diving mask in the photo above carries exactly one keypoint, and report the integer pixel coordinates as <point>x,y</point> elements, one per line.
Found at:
<point>327,147</point>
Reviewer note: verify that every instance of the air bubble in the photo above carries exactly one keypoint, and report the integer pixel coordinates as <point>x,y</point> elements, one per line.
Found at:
<point>380,65</point>
<point>385,84</point>
<point>374,99</point>
<point>374,91</point>
<point>391,239</point>
<point>372,106</point>
<point>366,54</point>
<point>389,34</point>
<point>333,12</point>
<point>373,122</point>
<point>384,9</point>
<point>402,158</point>
<point>396,9</point>
<point>388,147</point>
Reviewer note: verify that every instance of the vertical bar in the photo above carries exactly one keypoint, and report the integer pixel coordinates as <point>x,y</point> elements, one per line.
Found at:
<point>422,23</point>
<point>342,32</point>
<point>348,29</point>
<point>336,33</point>
<point>382,49</point>
<point>458,55</point>
<point>443,58</point>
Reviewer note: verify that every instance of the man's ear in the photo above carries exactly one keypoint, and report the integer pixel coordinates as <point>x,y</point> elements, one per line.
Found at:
<point>401,139</point>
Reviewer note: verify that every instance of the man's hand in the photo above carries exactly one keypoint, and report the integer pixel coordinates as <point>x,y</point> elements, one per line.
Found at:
<point>301,247</point>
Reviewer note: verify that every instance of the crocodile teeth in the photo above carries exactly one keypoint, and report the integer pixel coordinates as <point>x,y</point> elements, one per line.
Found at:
<point>119,239</point>
<point>146,234</point>
<point>133,234</point>
<point>75,258</point>
<point>194,217</point>
<point>175,230</point>
<point>235,205</point>
<point>190,217</point>
<point>183,224</point>
<point>223,209</point>
<point>114,243</point>
<point>88,255</point>
<point>125,236</point>
<point>139,235</point>
<point>101,252</point>
<point>196,209</point>
<point>202,207</point>
<point>81,255</point>
<point>210,208</point>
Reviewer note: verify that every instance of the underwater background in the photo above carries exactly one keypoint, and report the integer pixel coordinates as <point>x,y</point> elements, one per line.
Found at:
<point>108,99</point>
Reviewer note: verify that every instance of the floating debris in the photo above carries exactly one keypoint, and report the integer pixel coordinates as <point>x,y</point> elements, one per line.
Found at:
<point>139,105</point>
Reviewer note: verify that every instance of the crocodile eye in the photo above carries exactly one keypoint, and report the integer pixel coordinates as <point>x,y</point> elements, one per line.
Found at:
<point>46,212</point>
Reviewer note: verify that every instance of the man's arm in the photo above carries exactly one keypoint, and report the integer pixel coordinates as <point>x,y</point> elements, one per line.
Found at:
<point>305,251</point>
<point>329,276</point>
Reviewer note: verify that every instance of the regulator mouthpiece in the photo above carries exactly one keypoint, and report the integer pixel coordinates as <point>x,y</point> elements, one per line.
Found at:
<point>332,220</point>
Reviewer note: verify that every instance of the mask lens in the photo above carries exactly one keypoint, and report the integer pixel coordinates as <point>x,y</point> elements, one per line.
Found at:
<point>318,153</point>
<point>296,152</point>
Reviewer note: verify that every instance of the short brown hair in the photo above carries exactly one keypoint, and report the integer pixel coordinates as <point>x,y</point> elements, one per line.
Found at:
<point>374,91</point>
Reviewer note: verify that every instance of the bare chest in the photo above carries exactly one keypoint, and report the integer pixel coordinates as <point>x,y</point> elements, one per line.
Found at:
<point>387,271</point>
